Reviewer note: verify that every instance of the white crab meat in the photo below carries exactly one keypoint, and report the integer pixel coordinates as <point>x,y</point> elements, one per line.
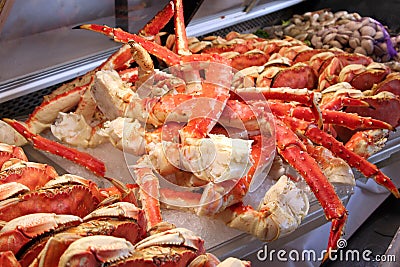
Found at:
<point>112,95</point>
<point>73,129</point>
<point>126,134</point>
<point>286,204</point>
<point>217,158</point>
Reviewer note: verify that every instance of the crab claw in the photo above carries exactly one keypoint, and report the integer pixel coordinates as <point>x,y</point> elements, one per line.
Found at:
<point>11,189</point>
<point>176,237</point>
<point>119,210</point>
<point>39,142</point>
<point>90,250</point>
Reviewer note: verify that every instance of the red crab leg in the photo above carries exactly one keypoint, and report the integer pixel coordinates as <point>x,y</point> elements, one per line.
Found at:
<point>340,102</point>
<point>159,51</point>
<point>303,96</point>
<point>39,142</point>
<point>159,21</point>
<point>353,121</point>
<point>349,120</point>
<point>337,148</point>
<point>119,60</point>
<point>149,192</point>
<point>122,36</point>
<point>293,151</point>
<point>119,192</point>
<point>182,47</point>
<point>46,113</point>
<point>366,143</point>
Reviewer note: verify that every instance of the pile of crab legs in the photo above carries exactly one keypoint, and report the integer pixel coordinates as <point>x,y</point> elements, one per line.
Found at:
<point>298,127</point>
<point>52,220</point>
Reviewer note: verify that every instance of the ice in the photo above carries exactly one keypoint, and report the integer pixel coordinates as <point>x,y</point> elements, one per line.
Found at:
<point>214,232</point>
<point>112,157</point>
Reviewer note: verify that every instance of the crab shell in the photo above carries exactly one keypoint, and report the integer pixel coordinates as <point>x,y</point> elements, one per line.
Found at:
<point>7,258</point>
<point>23,229</point>
<point>12,189</point>
<point>58,244</point>
<point>60,195</point>
<point>364,77</point>
<point>121,219</point>
<point>92,250</point>
<point>129,220</point>
<point>175,247</point>
<point>31,174</point>
<point>10,151</point>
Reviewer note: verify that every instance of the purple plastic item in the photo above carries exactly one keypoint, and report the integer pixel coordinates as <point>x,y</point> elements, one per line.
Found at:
<point>390,48</point>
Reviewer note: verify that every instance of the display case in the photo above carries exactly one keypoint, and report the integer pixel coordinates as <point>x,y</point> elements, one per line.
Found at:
<point>45,51</point>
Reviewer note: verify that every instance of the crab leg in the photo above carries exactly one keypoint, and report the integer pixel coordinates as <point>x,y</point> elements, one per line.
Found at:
<point>349,120</point>
<point>304,96</point>
<point>180,36</point>
<point>294,152</point>
<point>149,192</point>
<point>367,143</point>
<point>74,94</point>
<point>119,192</point>
<point>343,101</point>
<point>154,26</point>
<point>46,113</point>
<point>39,142</point>
<point>353,159</point>
<point>122,36</point>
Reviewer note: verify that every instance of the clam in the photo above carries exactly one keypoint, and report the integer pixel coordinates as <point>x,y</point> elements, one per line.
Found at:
<point>301,36</point>
<point>360,50</point>
<point>329,37</point>
<point>354,42</point>
<point>342,38</point>
<point>353,26</point>
<point>336,44</point>
<point>367,45</point>
<point>379,36</point>
<point>378,50</point>
<point>367,30</point>
<point>356,34</point>
<point>315,39</point>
